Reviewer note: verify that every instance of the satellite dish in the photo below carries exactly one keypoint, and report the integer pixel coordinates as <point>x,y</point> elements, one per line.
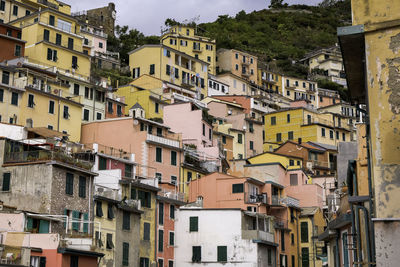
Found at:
<point>135,122</point>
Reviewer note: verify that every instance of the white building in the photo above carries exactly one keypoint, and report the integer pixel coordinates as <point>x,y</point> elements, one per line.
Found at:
<point>224,237</point>
<point>216,86</point>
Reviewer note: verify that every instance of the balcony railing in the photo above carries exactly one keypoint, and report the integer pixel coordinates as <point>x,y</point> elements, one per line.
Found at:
<point>290,201</point>
<point>276,201</point>
<point>255,198</point>
<point>316,163</point>
<point>107,192</point>
<point>281,224</point>
<point>246,74</point>
<point>258,235</point>
<point>162,141</point>
<point>45,155</point>
<point>172,194</point>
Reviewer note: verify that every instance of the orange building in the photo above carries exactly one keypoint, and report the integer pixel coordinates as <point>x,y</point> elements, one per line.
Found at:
<point>10,42</point>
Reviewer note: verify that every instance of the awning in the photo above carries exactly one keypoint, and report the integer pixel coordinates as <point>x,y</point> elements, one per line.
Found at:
<point>45,132</point>
<point>352,45</point>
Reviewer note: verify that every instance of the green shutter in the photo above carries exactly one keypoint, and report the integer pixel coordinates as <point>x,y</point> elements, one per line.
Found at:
<point>85,225</point>
<point>29,223</point>
<point>172,212</point>
<point>99,209</point>
<point>146,231</point>
<point>194,224</point>
<point>125,254</point>
<point>161,213</point>
<point>65,213</point>
<point>196,254</point>
<point>110,211</point>
<point>133,193</point>
<point>160,240</point>
<point>44,227</point>
<point>75,216</point>
<point>304,232</point>
<point>6,181</point>
<point>171,238</point>
<point>222,253</point>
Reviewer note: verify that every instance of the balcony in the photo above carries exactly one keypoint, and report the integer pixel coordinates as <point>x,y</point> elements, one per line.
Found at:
<point>316,164</point>
<point>250,198</point>
<point>113,56</point>
<point>197,49</point>
<point>281,224</point>
<point>61,42</point>
<point>246,74</point>
<point>245,62</point>
<point>276,201</point>
<point>318,121</point>
<point>162,141</point>
<point>107,192</point>
<point>172,194</point>
<point>47,3</point>
<point>45,155</point>
<point>258,235</point>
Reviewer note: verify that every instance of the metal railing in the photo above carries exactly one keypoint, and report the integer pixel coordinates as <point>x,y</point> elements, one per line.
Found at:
<point>46,155</point>
<point>172,194</point>
<point>276,200</point>
<point>281,224</point>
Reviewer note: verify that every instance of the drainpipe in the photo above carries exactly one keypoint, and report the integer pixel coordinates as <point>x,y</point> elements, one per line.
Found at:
<point>155,232</point>
<point>367,236</point>
<point>355,222</point>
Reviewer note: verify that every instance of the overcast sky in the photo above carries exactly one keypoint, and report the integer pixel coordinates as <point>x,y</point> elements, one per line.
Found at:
<point>149,15</point>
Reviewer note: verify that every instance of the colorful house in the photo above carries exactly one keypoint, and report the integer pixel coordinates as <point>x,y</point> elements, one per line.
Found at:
<point>237,62</point>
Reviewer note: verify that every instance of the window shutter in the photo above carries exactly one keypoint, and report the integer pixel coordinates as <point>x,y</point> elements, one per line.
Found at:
<point>196,254</point>
<point>55,55</point>
<point>160,240</point>
<point>161,213</point>
<point>110,211</point>
<point>133,193</point>
<point>194,224</point>
<point>221,253</point>
<point>125,254</point>
<point>75,216</point>
<point>6,181</point>
<point>49,54</point>
<point>42,262</point>
<point>65,213</point>
<point>99,209</point>
<point>44,226</point>
<point>146,231</point>
<point>304,232</point>
<point>172,212</point>
<point>85,225</point>
<point>171,238</point>
<point>29,223</point>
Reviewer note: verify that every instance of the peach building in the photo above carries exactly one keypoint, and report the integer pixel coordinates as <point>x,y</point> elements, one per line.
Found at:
<point>238,63</point>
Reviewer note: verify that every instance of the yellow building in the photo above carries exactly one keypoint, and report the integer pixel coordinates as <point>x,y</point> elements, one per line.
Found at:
<point>146,194</point>
<point>269,80</point>
<point>289,163</point>
<point>300,89</point>
<point>239,63</point>
<point>370,55</point>
<point>311,224</point>
<point>20,8</point>
<point>189,173</point>
<point>303,125</point>
<point>55,43</point>
<point>170,65</point>
<point>34,99</point>
<point>54,40</point>
<point>184,39</point>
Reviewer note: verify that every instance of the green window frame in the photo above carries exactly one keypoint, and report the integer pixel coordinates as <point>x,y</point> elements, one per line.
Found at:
<point>172,211</point>
<point>125,254</point>
<point>146,231</point>
<point>160,240</point>
<point>158,154</point>
<point>237,188</point>
<point>69,184</point>
<point>173,158</point>
<point>240,138</point>
<point>110,211</point>
<point>6,181</point>
<point>102,163</point>
<point>160,213</point>
<point>304,232</point>
<point>196,254</point>
<point>82,186</point>
<point>126,221</point>
<point>171,241</point>
<point>99,209</point>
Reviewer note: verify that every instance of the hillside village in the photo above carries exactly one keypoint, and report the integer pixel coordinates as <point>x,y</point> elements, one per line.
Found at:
<point>207,157</point>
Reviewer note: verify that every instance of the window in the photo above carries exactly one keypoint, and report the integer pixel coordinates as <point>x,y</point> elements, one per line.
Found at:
<point>110,107</point>
<point>269,253</point>
<point>74,62</point>
<point>273,120</point>
<point>292,239</point>
<point>288,118</point>
<point>240,138</point>
<point>209,59</point>
<point>304,232</point>
<point>31,102</point>
<point>282,240</point>
<point>172,212</point>
<point>330,134</point>
<point>119,110</point>
<point>170,263</point>
<point>159,177</point>
<point>222,253</point>
<point>160,213</point>
<point>69,184</point>
<point>168,70</point>
<point>74,261</point>
<point>66,113</point>
<point>291,162</point>
<point>70,43</point>
<point>135,73</point>
<point>5,79</point>
<point>125,254</point>
<point>189,176</point>
<point>52,54</point>
<point>196,254</point>
<point>2,5</point>
<point>126,221</point>
<point>50,127</point>
<point>290,135</point>
<point>99,209</point>
<point>236,67</point>
<point>146,231</point>
<point>160,240</point>
<point>323,132</point>
<point>204,129</point>
<point>278,137</point>
<point>293,179</point>
<point>1,95</point>
<point>160,263</point>
<point>157,107</point>
<point>344,136</point>
<point>51,107</point>
<point>100,45</point>
<point>158,154</point>
<point>145,198</point>
<point>152,69</point>
<point>15,10</point>
<point>51,20</point>
<point>6,181</point>
<point>144,262</point>
<point>109,242</point>
<point>171,239</point>
<point>102,163</point>
<point>128,170</point>
<point>18,49</point>
<point>98,116</point>
<point>173,179</point>
<point>305,261</point>
<point>251,145</point>
<point>76,89</point>
<point>237,188</point>
<point>194,224</point>
<point>110,211</point>
<point>82,186</point>
<point>224,139</point>
<point>46,35</point>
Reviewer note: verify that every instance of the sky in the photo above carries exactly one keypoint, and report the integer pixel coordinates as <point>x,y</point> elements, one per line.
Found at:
<point>148,16</point>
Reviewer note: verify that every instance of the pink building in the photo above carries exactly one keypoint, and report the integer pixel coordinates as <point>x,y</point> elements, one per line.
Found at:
<point>193,123</point>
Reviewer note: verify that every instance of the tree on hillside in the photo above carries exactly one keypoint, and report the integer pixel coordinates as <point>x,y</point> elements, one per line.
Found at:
<point>276,4</point>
